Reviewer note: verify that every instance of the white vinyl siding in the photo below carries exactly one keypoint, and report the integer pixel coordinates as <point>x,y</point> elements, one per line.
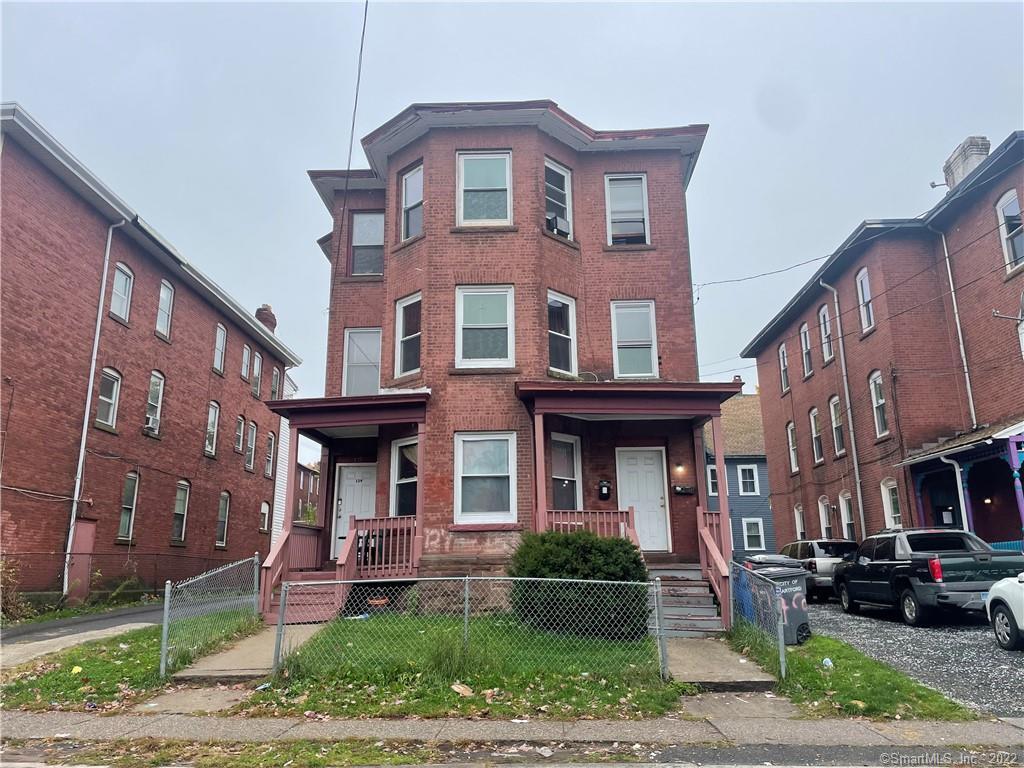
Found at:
<point>485,477</point>
<point>484,189</point>
<point>485,334</point>
<point>634,340</point>
<point>361,374</point>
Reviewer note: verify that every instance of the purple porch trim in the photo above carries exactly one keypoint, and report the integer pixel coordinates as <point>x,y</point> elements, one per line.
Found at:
<point>1014,445</point>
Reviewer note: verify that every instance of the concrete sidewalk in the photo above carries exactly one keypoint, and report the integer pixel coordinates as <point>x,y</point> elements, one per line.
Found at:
<point>718,730</point>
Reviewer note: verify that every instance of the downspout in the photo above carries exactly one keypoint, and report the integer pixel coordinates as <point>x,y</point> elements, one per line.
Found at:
<point>965,513</point>
<point>959,330</point>
<point>849,407</point>
<point>80,470</point>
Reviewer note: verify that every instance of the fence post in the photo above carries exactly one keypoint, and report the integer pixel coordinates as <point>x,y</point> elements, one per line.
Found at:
<point>165,629</point>
<point>256,582</point>
<point>659,626</point>
<point>780,632</point>
<point>732,593</point>
<point>279,637</point>
<point>465,613</point>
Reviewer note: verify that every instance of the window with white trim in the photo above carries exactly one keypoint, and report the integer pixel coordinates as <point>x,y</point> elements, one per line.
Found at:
<point>825,517</point>
<point>212,423</point>
<point>275,383</point>
<point>180,515</point>
<point>154,403</point>
<point>220,345</point>
<point>891,503</point>
<point>265,516</point>
<point>404,476</point>
<point>164,309</point>
<point>239,434</point>
<point>712,480</point>
<point>412,203</point>
<point>817,444</point>
<point>835,409</point>
<point>798,516</point>
<point>783,368</point>
<point>1011,229</point>
<point>566,472</point>
<point>485,331</point>
<point>257,374</point>
<point>223,510</point>
<point>121,292</point>
<point>561,333</point>
<point>878,403</point>
<point>250,446</point>
<point>628,218</point>
<point>246,358</point>
<point>408,331</point>
<point>129,496</point>
<point>805,349</point>
<point>361,371</point>
<point>108,397</point>
<point>485,477</point>
<point>367,243</point>
<point>484,189</point>
<point>557,198</point>
<point>634,339</point>
<point>825,327</point>
<point>749,482</point>
<point>867,309</point>
<point>268,461</point>
<point>846,515</point>
<point>753,533</point>
<point>794,464</point>
<point>1020,336</point>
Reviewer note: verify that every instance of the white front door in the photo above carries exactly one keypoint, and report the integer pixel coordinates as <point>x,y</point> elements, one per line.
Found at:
<point>355,493</point>
<point>641,482</point>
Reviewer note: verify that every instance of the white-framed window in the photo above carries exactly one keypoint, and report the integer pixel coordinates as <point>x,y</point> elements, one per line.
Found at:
<point>749,483</point>
<point>212,425</point>
<point>220,345</point>
<point>835,410</point>
<point>180,514</point>
<point>783,368</point>
<point>257,373</point>
<point>246,359</point>
<point>878,403</point>
<point>825,517</point>
<point>361,372</point>
<point>712,480</point>
<point>268,461</point>
<point>794,464</point>
<point>485,330</point>
<point>164,310</point>
<point>846,515</point>
<point>817,444</point>
<point>1020,336</point>
<point>412,203</point>
<point>634,340</point>
<point>404,476</point>
<point>121,292</point>
<point>798,517</point>
<point>566,472</point>
<point>154,403</point>
<point>302,479</point>
<point>223,511</point>
<point>867,310</point>
<point>825,327</point>
<point>484,189</point>
<point>275,383</point>
<point>250,446</point>
<point>408,332</point>
<point>239,434</point>
<point>628,219</point>
<point>891,503</point>
<point>109,395</point>
<point>753,533</point>
<point>485,477</point>
<point>265,516</point>
<point>367,243</point>
<point>129,496</point>
<point>805,349</point>
<point>561,333</point>
<point>1011,229</point>
<point>557,198</point>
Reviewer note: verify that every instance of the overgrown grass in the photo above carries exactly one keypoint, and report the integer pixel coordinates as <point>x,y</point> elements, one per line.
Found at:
<point>115,671</point>
<point>399,665</point>
<point>856,686</point>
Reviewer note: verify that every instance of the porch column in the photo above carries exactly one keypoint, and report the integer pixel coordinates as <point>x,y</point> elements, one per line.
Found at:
<point>289,486</point>
<point>421,441</point>
<point>918,482</point>
<point>540,474</point>
<point>1014,446</point>
<point>965,471</point>
<point>725,521</point>
<point>699,466</point>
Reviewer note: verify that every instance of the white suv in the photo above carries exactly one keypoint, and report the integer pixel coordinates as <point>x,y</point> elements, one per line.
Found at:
<point>1005,608</point>
<point>820,557</point>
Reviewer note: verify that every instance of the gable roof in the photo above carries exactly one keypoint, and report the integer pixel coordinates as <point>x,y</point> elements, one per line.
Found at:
<point>741,427</point>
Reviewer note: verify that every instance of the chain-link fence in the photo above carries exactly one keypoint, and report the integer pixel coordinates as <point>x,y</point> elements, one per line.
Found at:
<point>454,626</point>
<point>757,611</point>
<point>201,611</point>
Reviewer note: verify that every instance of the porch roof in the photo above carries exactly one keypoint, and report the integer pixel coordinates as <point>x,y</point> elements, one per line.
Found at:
<point>967,441</point>
<point>316,414</point>
<point>657,399</point>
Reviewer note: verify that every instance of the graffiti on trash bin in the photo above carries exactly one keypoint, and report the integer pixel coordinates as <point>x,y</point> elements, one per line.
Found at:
<point>752,599</point>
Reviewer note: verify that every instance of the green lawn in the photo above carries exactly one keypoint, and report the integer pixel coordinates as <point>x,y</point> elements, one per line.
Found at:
<point>856,686</point>
<point>393,665</point>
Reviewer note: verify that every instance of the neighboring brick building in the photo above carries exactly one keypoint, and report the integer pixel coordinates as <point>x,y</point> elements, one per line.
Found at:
<point>876,370</point>
<point>306,492</point>
<point>161,494</point>
<point>511,344</point>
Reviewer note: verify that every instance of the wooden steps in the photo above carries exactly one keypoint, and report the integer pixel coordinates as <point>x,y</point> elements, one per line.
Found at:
<point>688,606</point>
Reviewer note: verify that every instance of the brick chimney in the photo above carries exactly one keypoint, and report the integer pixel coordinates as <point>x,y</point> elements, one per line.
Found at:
<point>965,158</point>
<point>266,316</point>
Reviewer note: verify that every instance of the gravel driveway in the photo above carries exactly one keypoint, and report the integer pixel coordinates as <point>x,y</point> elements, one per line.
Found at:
<point>957,655</point>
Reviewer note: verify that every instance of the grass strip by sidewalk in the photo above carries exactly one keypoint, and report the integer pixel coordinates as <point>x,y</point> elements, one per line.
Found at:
<point>856,686</point>
<point>85,609</point>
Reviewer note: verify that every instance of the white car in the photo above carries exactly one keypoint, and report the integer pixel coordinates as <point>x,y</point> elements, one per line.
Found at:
<point>1005,608</point>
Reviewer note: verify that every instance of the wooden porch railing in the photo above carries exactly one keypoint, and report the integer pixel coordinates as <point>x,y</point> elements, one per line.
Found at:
<point>613,523</point>
<point>380,548</point>
<point>273,570</point>
<point>715,551</point>
<point>304,548</point>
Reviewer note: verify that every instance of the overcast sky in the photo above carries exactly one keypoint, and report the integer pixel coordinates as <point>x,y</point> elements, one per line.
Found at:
<point>205,118</point>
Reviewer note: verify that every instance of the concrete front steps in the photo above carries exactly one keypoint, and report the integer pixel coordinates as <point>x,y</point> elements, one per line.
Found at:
<point>689,608</point>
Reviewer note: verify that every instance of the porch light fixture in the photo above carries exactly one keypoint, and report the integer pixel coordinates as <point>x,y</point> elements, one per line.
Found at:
<point>988,500</point>
<point>680,468</point>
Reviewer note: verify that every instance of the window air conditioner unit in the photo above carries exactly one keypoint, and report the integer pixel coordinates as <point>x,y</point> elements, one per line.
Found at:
<point>152,424</point>
<point>558,225</point>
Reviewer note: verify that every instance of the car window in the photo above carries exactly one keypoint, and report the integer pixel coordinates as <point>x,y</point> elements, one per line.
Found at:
<point>885,549</point>
<point>786,550</point>
<point>805,551</point>
<point>836,548</point>
<point>941,542</point>
<point>867,549</point>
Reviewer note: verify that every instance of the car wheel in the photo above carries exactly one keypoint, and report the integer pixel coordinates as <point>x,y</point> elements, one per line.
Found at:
<point>1008,634</point>
<point>911,611</point>
<point>845,601</point>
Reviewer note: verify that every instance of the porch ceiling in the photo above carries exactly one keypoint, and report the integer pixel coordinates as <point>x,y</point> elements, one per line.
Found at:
<point>332,416</point>
<point>604,400</point>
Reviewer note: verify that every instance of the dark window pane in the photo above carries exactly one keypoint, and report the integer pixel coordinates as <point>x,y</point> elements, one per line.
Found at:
<point>407,461</point>
<point>414,221</point>
<point>368,260</point>
<point>485,494</point>
<point>885,549</point>
<point>564,494</point>
<point>411,318</point>
<point>554,179</point>
<point>558,317</point>
<point>484,205</point>
<point>411,354</point>
<point>484,343</point>
<point>560,352</point>
<point>405,499</point>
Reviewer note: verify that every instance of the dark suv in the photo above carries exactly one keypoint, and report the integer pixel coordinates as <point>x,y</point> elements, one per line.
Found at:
<point>922,569</point>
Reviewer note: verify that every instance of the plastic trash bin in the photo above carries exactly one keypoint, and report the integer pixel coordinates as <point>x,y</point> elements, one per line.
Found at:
<point>791,590</point>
